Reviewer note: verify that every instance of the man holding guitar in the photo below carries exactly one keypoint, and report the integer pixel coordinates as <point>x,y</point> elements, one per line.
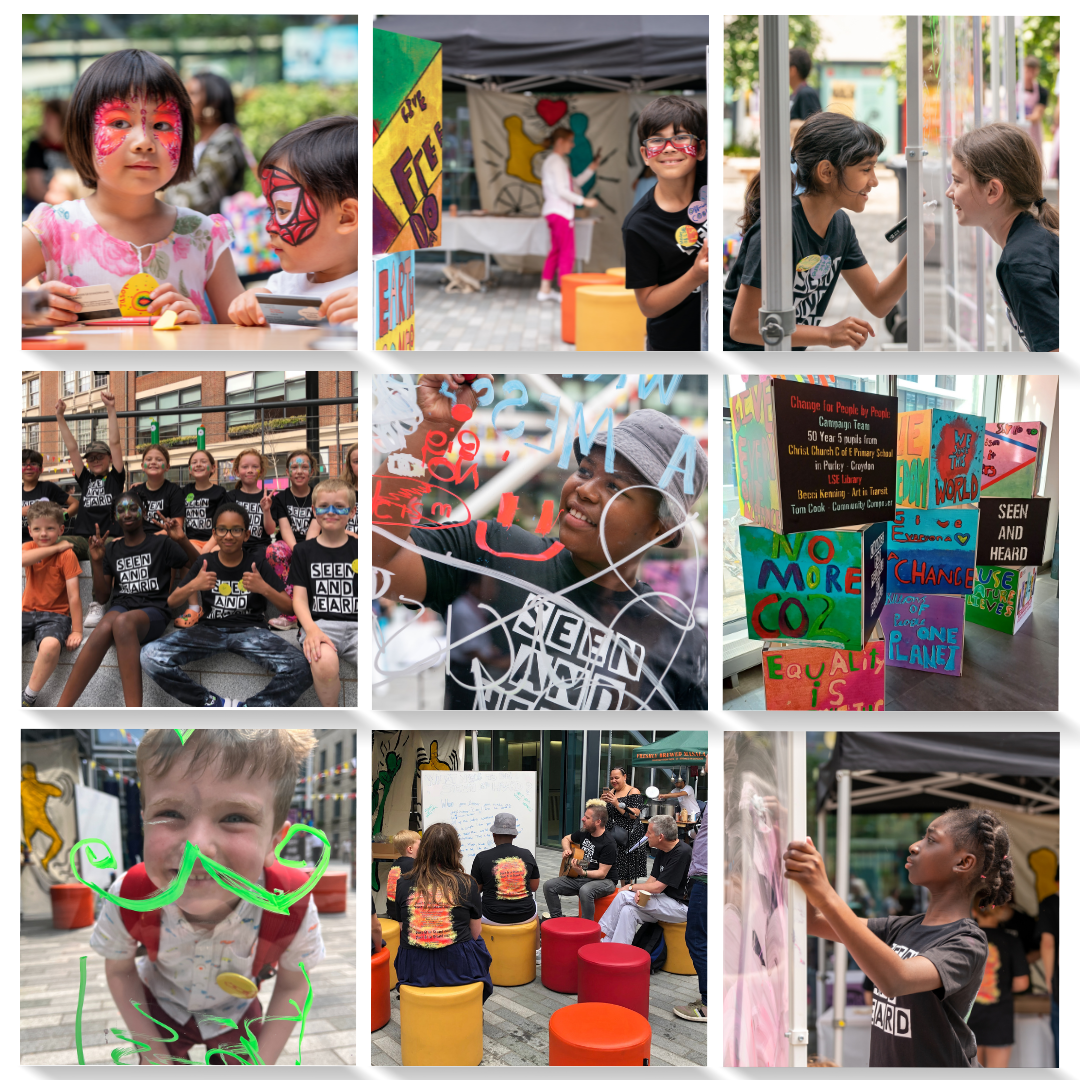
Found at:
<point>588,867</point>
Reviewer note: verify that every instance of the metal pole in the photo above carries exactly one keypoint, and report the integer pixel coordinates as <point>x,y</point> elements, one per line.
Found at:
<point>609,734</point>
<point>1009,74</point>
<point>798,1036</point>
<point>776,319</point>
<point>822,945</point>
<point>995,70</point>
<point>475,753</point>
<point>843,881</point>
<point>947,131</point>
<point>980,236</point>
<point>913,155</point>
<point>307,780</point>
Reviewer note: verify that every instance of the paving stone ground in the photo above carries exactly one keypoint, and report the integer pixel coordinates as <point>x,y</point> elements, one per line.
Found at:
<point>516,1017</point>
<point>49,985</point>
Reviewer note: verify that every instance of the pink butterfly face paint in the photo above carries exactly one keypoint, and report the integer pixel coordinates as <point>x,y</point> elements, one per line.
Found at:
<point>168,130</point>
<point>117,122</point>
<point>294,214</point>
<point>111,125</point>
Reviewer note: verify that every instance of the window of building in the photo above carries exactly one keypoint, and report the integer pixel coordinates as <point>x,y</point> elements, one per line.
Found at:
<point>266,388</point>
<point>338,749</point>
<point>322,761</point>
<point>101,380</point>
<point>945,382</point>
<point>187,424</point>
<point>85,380</point>
<point>68,384</point>
<point>31,436</point>
<point>337,809</point>
<point>33,394</point>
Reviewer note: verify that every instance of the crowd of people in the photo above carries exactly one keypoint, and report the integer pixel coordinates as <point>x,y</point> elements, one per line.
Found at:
<point>221,557</point>
<point>126,181</point>
<point>442,909</point>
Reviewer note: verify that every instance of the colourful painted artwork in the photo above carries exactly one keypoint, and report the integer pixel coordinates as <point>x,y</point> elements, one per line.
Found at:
<point>394,315</point>
<point>826,586</point>
<point>407,135</point>
<point>938,459</point>
<point>1012,532</point>
<point>933,551</point>
<point>1012,457</point>
<point>924,631</point>
<point>824,678</point>
<point>757,476</point>
<point>1003,597</point>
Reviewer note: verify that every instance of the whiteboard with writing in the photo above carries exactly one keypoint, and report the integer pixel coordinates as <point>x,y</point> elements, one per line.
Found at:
<point>470,800</point>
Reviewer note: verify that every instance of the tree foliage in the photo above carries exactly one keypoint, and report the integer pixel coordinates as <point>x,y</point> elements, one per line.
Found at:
<point>741,47</point>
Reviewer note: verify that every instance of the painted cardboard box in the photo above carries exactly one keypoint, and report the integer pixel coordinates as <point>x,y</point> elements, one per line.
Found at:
<point>813,457</point>
<point>1012,532</point>
<point>939,458</point>
<point>924,631</point>
<point>933,551</point>
<point>825,586</point>
<point>394,310</point>
<point>1012,458</point>
<point>1003,597</point>
<point>824,677</point>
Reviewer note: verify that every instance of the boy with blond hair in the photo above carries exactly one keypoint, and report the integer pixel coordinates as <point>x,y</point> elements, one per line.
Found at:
<point>228,792</point>
<point>406,844</point>
<point>324,576</point>
<point>51,608</point>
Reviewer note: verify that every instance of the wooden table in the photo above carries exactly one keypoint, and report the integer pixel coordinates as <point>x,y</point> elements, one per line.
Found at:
<point>219,336</point>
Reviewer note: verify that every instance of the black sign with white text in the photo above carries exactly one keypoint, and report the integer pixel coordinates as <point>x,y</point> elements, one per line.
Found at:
<point>1012,532</point>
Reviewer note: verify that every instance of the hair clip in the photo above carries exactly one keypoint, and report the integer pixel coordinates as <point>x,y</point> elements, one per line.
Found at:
<point>799,189</point>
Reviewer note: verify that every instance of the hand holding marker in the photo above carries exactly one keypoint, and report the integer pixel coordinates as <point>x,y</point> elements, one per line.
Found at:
<point>900,227</point>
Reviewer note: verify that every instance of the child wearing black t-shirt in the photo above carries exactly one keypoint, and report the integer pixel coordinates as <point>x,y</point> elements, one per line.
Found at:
<point>406,844</point>
<point>34,489</point>
<point>926,969</point>
<point>159,495</point>
<point>666,233</point>
<point>1006,973</point>
<point>202,497</point>
<point>290,510</point>
<point>249,468</point>
<point>325,580</point>
<point>997,184</point>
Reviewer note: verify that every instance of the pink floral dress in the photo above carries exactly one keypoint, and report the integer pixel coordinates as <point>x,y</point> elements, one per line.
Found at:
<point>77,250</point>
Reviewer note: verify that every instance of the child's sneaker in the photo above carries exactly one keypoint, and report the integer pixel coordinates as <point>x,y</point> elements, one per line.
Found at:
<point>95,612</point>
<point>283,622</point>
<point>214,702</point>
<point>545,297</point>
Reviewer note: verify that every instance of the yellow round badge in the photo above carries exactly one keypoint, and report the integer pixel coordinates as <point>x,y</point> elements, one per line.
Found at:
<point>238,985</point>
<point>356,566</point>
<point>808,263</point>
<point>225,588</point>
<point>134,298</point>
<point>686,236</point>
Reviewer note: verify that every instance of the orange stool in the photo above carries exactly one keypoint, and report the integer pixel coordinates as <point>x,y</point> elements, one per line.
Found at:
<point>596,1033</point>
<point>607,969</point>
<point>600,905</point>
<point>72,906</point>
<point>568,285</point>
<point>617,272</point>
<point>380,989</point>
<point>330,891</point>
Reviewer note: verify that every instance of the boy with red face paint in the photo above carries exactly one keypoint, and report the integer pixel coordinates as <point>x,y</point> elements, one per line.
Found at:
<point>309,179</point>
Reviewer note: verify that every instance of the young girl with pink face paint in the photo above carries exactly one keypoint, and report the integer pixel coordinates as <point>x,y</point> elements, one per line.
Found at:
<point>129,134</point>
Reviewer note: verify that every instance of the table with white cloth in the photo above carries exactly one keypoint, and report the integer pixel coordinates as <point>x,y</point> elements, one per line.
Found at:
<point>494,234</point>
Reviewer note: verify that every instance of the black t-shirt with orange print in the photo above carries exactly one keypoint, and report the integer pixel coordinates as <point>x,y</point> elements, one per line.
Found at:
<point>439,923</point>
<point>504,873</point>
<point>398,867</point>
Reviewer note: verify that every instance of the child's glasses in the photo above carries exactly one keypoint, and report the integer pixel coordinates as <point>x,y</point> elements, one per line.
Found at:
<point>657,144</point>
<point>337,511</point>
<point>230,530</point>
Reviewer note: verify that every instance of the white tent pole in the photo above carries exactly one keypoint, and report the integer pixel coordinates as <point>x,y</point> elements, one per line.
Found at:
<point>475,753</point>
<point>822,842</point>
<point>843,882</point>
<point>797,1034</point>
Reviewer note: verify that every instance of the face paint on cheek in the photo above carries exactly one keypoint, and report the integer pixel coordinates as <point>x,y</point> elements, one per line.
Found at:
<point>108,140</point>
<point>171,141</point>
<point>294,214</point>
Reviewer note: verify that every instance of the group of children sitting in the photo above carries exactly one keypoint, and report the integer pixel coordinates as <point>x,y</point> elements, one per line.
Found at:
<point>130,133</point>
<point>235,551</point>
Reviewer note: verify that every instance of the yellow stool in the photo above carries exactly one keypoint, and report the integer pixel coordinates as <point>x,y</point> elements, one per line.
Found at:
<point>678,960</point>
<point>391,932</point>
<point>442,1025</point>
<point>608,320</point>
<point>617,271</point>
<point>513,952</point>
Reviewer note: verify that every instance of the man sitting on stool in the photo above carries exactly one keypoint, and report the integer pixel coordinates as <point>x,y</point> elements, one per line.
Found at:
<point>597,866</point>
<point>508,877</point>
<point>667,884</point>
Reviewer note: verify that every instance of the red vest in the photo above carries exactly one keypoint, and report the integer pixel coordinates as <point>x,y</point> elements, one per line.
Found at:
<point>275,931</point>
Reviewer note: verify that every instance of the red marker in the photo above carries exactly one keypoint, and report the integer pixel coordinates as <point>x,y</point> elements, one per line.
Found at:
<point>469,378</point>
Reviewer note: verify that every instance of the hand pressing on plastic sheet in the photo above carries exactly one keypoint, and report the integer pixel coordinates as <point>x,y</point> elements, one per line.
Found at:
<point>804,865</point>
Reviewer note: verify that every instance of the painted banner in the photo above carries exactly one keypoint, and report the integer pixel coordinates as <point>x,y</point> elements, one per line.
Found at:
<point>407,135</point>
<point>1012,532</point>
<point>814,457</point>
<point>933,551</point>
<point>939,458</point>
<point>1012,457</point>
<point>827,586</point>
<point>395,308</point>
<point>1003,597</point>
<point>924,632</point>
<point>823,678</point>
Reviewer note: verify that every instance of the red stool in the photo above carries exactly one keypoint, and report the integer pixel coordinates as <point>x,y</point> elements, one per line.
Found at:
<point>330,891</point>
<point>560,940</point>
<point>617,974</point>
<point>596,1033</point>
<point>380,989</point>
<point>600,905</point>
<point>72,906</point>
<point>568,285</point>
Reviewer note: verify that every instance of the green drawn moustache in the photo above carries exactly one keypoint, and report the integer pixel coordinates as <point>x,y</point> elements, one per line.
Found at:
<point>226,878</point>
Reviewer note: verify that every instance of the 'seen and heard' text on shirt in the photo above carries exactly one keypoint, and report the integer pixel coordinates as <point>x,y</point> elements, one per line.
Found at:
<point>199,509</point>
<point>330,576</point>
<point>141,573</point>
<point>99,493</point>
<point>228,604</point>
<point>168,501</point>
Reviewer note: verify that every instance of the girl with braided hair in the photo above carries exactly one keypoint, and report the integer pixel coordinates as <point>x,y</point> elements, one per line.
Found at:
<point>926,968</point>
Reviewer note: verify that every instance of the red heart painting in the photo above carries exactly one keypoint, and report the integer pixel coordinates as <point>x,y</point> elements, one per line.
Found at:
<point>550,111</point>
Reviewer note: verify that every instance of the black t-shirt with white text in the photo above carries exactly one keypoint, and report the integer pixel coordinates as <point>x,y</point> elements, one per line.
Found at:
<point>597,650</point>
<point>250,502</point>
<point>297,508</point>
<point>141,573</point>
<point>597,851</point>
<point>330,576</point>
<point>504,873</point>
<point>168,501</point>
<point>804,102</point>
<point>199,509</point>
<point>96,506</point>
<point>816,265</point>
<point>1027,275</point>
<point>673,868</point>
<point>229,605</point>
<point>929,1029</point>
<point>991,1017</point>
<point>43,491</point>
<point>660,248</point>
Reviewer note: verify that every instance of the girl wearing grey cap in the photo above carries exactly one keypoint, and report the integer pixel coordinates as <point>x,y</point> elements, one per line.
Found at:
<point>577,627</point>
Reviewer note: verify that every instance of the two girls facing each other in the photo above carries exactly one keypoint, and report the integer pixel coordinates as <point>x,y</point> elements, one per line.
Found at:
<point>130,134</point>
<point>996,183</point>
<point>926,969</point>
<point>133,576</point>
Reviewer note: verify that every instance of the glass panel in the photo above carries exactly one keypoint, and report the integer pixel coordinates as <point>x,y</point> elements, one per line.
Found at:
<point>191,395</point>
<point>269,378</point>
<point>236,383</point>
<point>84,380</point>
<point>551,827</point>
<point>146,403</point>
<point>169,401</point>
<point>294,391</point>
<point>101,379</point>
<point>290,375</point>
<point>572,765</point>
<point>69,383</point>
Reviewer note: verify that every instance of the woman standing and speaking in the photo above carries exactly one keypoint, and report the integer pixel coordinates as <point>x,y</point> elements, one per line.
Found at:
<point>624,806</point>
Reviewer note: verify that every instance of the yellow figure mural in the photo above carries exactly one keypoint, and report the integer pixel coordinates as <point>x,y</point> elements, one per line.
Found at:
<point>522,151</point>
<point>35,794</point>
<point>1044,863</point>
<point>432,761</point>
